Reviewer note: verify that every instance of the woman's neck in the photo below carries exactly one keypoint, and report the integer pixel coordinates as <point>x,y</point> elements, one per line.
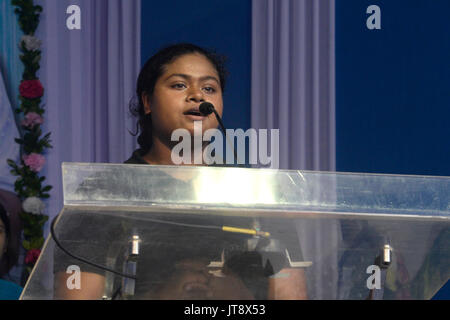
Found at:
<point>161,154</point>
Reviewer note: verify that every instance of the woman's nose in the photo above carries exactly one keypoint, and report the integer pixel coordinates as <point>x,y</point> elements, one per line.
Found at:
<point>195,94</point>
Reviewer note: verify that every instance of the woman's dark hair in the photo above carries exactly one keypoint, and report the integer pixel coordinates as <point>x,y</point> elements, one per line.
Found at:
<point>7,260</point>
<point>149,75</point>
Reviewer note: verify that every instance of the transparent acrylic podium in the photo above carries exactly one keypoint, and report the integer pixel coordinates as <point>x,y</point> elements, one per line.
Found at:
<point>235,233</point>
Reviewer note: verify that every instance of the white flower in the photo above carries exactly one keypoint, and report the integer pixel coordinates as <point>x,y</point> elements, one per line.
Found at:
<point>33,205</point>
<point>31,43</point>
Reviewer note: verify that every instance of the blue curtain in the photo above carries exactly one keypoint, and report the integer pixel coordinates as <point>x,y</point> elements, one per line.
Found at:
<point>10,64</point>
<point>89,76</point>
<point>11,69</point>
<point>293,90</point>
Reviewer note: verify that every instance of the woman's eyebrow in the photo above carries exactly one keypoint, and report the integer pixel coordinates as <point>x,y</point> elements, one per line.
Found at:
<point>188,77</point>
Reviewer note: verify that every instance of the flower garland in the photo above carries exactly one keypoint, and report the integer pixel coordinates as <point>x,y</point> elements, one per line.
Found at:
<point>28,185</point>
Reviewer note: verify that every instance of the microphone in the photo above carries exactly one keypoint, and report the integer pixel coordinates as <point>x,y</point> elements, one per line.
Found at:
<point>206,108</point>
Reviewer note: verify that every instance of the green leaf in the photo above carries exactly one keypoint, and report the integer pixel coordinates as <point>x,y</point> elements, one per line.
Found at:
<point>17,184</point>
<point>11,163</point>
<point>27,232</point>
<point>26,244</point>
<point>37,243</point>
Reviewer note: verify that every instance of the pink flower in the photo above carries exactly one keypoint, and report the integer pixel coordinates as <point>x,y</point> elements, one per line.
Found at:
<point>31,119</point>
<point>32,256</point>
<point>35,161</point>
<point>31,89</point>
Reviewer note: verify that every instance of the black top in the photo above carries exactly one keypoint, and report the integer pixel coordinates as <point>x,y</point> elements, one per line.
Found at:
<point>136,158</point>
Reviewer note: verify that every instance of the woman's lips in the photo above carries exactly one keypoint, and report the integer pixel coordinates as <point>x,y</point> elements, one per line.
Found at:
<point>195,115</point>
<point>195,118</point>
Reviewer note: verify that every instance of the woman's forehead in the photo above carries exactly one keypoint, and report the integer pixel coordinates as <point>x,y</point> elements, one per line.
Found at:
<point>192,63</point>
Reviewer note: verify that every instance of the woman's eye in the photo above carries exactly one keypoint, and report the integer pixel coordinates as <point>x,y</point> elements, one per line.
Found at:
<point>209,89</point>
<point>178,86</point>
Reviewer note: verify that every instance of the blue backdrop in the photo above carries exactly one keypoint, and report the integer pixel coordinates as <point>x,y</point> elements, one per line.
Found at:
<point>393,89</point>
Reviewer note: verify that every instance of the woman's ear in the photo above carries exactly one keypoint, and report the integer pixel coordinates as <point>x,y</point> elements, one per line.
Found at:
<point>146,102</point>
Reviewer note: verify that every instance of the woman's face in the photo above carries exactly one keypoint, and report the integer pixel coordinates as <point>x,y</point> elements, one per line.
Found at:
<point>185,83</point>
<point>3,242</point>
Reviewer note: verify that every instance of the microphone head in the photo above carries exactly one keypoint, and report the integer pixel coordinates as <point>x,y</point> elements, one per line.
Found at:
<point>206,108</point>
